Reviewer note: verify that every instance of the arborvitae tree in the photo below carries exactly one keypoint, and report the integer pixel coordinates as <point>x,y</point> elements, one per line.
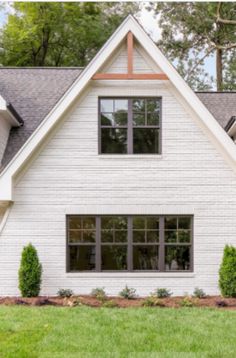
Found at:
<point>30,272</point>
<point>227,274</point>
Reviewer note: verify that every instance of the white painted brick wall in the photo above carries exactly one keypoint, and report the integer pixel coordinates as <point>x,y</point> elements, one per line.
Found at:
<point>68,176</point>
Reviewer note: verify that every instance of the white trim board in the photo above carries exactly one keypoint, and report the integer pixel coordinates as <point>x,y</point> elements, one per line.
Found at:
<point>225,144</point>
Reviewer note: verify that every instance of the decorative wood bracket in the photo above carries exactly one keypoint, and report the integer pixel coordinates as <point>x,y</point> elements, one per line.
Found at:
<point>130,75</point>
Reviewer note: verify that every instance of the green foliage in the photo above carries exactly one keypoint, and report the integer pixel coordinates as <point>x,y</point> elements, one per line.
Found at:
<point>58,33</point>
<point>99,293</point>
<point>128,293</point>
<point>65,292</point>
<point>30,272</point>
<point>199,293</point>
<point>163,293</point>
<point>227,273</point>
<point>187,302</point>
<point>153,301</point>
<point>192,32</point>
<point>110,304</point>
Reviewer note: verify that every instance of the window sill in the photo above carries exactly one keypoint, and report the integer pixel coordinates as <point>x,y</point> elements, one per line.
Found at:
<point>130,274</point>
<point>130,156</point>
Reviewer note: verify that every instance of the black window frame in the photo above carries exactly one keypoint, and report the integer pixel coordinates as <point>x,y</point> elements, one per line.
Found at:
<point>130,125</point>
<point>130,244</point>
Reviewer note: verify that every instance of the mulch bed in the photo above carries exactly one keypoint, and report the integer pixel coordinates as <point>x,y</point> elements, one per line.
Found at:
<point>170,302</point>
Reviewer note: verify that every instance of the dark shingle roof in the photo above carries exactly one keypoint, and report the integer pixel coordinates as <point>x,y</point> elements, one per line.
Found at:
<point>221,104</point>
<point>33,92</point>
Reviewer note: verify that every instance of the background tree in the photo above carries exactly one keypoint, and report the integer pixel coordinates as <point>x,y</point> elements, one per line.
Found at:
<point>57,33</point>
<point>193,31</point>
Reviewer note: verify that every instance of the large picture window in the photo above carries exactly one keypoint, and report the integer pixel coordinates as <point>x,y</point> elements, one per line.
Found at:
<point>129,243</point>
<point>130,125</point>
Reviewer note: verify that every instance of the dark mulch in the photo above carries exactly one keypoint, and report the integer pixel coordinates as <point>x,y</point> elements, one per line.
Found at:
<point>171,302</point>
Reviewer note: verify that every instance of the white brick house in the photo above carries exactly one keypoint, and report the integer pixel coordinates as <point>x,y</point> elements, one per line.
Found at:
<point>118,174</point>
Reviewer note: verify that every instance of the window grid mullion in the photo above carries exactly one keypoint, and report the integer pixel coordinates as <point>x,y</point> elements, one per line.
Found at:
<point>130,242</point>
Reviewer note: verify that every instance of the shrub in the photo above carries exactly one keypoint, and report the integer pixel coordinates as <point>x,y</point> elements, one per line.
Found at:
<point>128,293</point>
<point>187,302</point>
<point>152,301</point>
<point>199,293</point>
<point>163,293</point>
<point>99,293</point>
<point>110,304</point>
<point>30,272</point>
<point>65,292</point>
<point>227,273</point>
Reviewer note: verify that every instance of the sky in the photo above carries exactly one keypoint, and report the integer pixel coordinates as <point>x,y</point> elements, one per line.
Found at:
<point>150,24</point>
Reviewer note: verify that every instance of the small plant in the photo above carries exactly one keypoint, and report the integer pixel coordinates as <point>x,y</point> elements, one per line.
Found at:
<point>221,303</point>
<point>110,304</point>
<point>163,293</point>
<point>128,293</point>
<point>30,272</point>
<point>99,293</point>
<point>199,293</point>
<point>153,301</point>
<point>187,302</point>
<point>65,292</point>
<point>227,273</point>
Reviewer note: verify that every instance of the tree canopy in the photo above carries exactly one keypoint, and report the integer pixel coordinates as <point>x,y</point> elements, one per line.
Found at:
<point>59,33</point>
<point>193,31</point>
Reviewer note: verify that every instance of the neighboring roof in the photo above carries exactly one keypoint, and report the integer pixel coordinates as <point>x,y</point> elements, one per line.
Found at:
<point>189,99</point>
<point>222,105</point>
<point>32,92</point>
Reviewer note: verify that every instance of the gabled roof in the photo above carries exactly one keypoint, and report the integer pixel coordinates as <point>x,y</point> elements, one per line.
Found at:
<point>33,92</point>
<point>188,97</point>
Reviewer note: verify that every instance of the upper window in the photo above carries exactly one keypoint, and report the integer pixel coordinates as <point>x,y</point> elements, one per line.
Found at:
<point>130,126</point>
<point>129,243</point>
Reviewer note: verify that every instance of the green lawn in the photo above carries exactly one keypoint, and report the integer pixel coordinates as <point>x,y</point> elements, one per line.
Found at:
<point>134,332</point>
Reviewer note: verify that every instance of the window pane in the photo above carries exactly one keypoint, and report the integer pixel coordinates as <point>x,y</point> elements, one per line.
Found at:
<point>121,119</point>
<point>139,119</point>
<point>152,119</point>
<point>138,105</point>
<point>120,236</point>
<point>145,140</point>
<point>170,223</point>
<point>153,105</point>
<point>177,258</point>
<point>114,140</point>
<point>89,236</point>
<point>82,258</point>
<point>107,236</point>
<point>75,222</point>
<point>107,119</point>
<point>89,223</point>
<point>152,236</point>
<point>120,222</point>
<point>153,223</point>
<point>184,236</point>
<point>145,257</point>
<point>184,223</point>
<point>139,236</point>
<point>114,257</point>
<point>107,105</point>
<point>138,222</point>
<point>121,105</point>
<point>75,236</point>
<point>107,222</point>
<point>170,236</point>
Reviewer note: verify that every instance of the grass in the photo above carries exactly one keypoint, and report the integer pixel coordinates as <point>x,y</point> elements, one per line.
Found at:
<point>135,332</point>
